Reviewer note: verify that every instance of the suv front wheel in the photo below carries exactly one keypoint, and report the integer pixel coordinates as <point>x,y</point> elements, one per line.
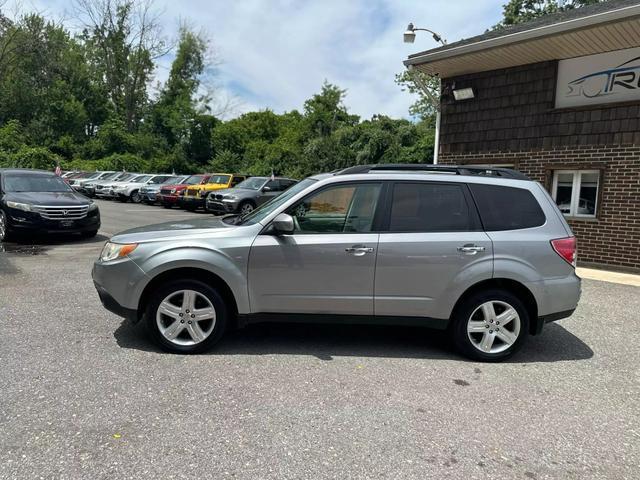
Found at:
<point>186,316</point>
<point>490,326</point>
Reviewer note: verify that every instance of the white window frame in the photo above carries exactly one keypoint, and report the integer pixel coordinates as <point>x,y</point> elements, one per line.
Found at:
<point>575,192</point>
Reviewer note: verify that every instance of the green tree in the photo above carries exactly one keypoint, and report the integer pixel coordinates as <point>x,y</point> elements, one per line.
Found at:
<point>415,82</point>
<point>175,110</point>
<point>520,11</point>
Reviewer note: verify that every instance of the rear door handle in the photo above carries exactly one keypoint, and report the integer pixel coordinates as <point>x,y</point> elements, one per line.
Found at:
<point>359,250</point>
<point>470,249</point>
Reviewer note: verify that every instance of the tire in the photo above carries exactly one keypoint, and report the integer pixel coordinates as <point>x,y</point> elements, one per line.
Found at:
<point>476,325</point>
<point>89,234</point>
<point>135,197</point>
<point>246,207</point>
<point>5,233</point>
<point>161,326</point>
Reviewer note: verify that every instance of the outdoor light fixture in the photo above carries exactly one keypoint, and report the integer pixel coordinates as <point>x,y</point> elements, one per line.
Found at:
<point>410,34</point>
<point>463,94</point>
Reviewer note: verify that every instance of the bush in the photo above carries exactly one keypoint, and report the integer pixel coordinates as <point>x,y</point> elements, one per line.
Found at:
<point>35,157</point>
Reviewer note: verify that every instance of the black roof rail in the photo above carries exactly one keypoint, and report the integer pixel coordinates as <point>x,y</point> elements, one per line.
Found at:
<point>454,169</point>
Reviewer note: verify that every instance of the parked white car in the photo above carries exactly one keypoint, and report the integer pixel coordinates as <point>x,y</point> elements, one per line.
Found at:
<point>103,188</point>
<point>130,191</point>
<point>78,184</point>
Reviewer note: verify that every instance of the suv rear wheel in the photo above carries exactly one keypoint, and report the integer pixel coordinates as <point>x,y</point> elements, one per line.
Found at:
<point>490,325</point>
<point>186,316</point>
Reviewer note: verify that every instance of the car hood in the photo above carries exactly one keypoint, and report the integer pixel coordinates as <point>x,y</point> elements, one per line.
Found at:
<point>53,199</point>
<point>129,184</point>
<point>237,192</point>
<point>174,229</point>
<point>179,186</point>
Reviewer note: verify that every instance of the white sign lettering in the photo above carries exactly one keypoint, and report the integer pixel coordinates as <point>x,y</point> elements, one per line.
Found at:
<point>595,79</point>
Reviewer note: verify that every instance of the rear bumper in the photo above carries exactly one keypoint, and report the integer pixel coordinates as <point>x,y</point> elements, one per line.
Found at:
<point>552,317</point>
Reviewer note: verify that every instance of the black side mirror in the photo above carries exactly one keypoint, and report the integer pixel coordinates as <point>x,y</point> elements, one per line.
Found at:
<point>283,224</point>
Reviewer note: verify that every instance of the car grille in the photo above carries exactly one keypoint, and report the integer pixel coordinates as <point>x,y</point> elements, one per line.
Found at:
<point>99,187</point>
<point>217,197</point>
<point>165,191</point>
<point>63,213</point>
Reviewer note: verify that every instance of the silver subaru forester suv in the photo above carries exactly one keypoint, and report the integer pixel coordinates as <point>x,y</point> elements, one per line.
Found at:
<point>482,252</point>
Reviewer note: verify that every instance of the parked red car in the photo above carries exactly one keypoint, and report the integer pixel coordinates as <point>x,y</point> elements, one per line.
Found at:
<point>171,195</point>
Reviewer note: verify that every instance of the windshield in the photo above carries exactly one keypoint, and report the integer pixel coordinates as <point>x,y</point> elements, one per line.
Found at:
<point>194,180</point>
<point>93,175</point>
<point>254,183</point>
<point>261,212</point>
<point>141,179</point>
<point>223,179</point>
<point>129,176</point>
<point>159,179</point>
<point>172,180</point>
<point>35,183</point>
<point>111,176</point>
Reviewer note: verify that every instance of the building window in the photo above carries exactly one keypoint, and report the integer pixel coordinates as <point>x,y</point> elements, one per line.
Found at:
<point>576,192</point>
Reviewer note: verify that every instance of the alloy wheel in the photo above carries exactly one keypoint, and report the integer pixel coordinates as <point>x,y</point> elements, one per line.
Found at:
<point>246,209</point>
<point>493,327</point>
<point>135,197</point>
<point>186,317</point>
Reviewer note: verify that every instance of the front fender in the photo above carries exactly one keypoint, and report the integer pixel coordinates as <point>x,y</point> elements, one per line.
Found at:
<point>230,267</point>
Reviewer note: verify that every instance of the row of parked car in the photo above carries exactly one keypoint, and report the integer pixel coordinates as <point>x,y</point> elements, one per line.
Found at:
<point>218,193</point>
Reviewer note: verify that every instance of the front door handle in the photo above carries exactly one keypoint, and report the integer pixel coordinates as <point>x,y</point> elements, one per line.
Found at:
<point>470,249</point>
<point>359,250</point>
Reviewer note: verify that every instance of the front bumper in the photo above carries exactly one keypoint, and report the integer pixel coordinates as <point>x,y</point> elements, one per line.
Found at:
<point>169,199</point>
<point>119,284</point>
<point>222,206</point>
<point>149,196</point>
<point>192,202</point>
<point>19,221</point>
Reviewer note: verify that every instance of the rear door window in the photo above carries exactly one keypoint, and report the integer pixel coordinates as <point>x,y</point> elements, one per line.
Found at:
<point>507,208</point>
<point>430,207</point>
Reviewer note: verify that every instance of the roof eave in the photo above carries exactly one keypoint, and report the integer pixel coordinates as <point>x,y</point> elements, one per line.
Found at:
<point>623,13</point>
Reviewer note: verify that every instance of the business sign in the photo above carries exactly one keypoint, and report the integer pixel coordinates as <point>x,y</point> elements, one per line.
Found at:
<point>596,79</point>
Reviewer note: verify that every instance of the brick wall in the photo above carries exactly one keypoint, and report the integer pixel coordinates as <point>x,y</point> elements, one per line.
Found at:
<point>514,110</point>
<point>613,238</point>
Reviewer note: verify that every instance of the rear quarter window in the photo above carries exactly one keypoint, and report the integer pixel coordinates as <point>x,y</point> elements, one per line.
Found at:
<point>507,208</point>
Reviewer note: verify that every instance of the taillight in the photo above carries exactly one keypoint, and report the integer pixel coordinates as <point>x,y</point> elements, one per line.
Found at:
<point>566,248</point>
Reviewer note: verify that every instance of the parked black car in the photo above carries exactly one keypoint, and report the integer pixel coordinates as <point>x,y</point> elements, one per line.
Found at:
<point>247,195</point>
<point>41,202</point>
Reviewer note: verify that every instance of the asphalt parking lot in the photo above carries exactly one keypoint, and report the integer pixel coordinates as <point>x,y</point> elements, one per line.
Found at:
<point>85,395</point>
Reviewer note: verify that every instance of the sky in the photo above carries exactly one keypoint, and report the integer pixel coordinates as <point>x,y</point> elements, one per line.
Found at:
<point>277,53</point>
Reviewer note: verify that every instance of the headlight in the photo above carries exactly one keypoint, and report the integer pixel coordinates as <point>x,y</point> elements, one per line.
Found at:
<point>172,191</point>
<point>27,207</point>
<point>112,251</point>
<point>92,207</point>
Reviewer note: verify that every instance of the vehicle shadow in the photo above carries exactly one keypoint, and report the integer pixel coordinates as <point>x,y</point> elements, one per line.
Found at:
<point>327,341</point>
<point>37,244</point>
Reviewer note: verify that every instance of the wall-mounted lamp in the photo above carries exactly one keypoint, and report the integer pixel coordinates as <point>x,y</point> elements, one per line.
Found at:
<point>463,94</point>
<point>410,34</point>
